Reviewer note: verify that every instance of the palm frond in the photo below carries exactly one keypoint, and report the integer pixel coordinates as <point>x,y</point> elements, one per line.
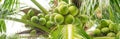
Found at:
<point>2,26</point>
<point>10,4</point>
<point>69,31</point>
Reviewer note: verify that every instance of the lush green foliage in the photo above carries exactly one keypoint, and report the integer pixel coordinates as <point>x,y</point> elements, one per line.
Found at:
<point>86,11</point>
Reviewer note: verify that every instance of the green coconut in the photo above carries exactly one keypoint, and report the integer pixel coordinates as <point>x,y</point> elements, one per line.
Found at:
<point>111,34</point>
<point>97,32</point>
<point>52,16</point>
<point>73,10</point>
<point>31,13</point>
<point>69,19</point>
<point>63,9</point>
<point>113,27</point>
<point>59,19</point>
<point>105,23</point>
<point>105,30</point>
<point>49,24</point>
<point>42,21</point>
<point>47,17</point>
<point>35,19</point>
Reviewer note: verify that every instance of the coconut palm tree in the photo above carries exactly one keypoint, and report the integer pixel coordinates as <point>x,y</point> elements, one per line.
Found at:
<point>94,9</point>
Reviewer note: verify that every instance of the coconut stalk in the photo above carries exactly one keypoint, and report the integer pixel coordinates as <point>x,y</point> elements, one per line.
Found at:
<point>28,23</point>
<point>40,6</point>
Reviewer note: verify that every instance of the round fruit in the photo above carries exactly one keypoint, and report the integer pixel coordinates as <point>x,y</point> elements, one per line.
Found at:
<point>111,34</point>
<point>69,19</point>
<point>35,19</point>
<point>49,24</point>
<point>47,17</point>
<point>33,32</point>
<point>112,26</point>
<point>40,15</point>
<point>52,16</point>
<point>59,19</point>
<point>105,30</point>
<point>63,9</point>
<point>97,32</point>
<point>84,18</point>
<point>30,13</point>
<point>105,23</point>
<point>42,21</point>
<point>73,10</point>
<point>109,21</point>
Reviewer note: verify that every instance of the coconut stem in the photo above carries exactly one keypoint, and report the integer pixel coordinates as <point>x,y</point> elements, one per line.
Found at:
<point>28,22</point>
<point>40,7</point>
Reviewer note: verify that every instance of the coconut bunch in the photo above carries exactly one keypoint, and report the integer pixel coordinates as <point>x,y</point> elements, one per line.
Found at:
<point>106,28</point>
<point>63,14</point>
<point>70,14</point>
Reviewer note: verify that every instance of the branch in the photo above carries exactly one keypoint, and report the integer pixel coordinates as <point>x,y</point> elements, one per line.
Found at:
<point>29,23</point>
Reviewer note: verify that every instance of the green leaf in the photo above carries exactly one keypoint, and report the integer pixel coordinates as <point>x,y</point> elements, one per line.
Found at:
<point>2,25</point>
<point>3,36</point>
<point>82,32</point>
<point>69,31</point>
<point>9,4</point>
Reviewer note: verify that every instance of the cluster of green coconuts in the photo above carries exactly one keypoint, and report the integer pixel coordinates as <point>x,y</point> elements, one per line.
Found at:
<point>62,14</point>
<point>107,28</point>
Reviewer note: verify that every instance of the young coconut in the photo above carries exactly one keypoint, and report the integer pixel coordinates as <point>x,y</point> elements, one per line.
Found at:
<point>35,19</point>
<point>42,21</point>
<point>105,23</point>
<point>63,9</point>
<point>33,32</point>
<point>111,26</point>
<point>47,17</point>
<point>30,13</point>
<point>52,16</point>
<point>97,32</point>
<point>59,19</point>
<point>69,19</point>
<point>49,24</point>
<point>111,34</point>
<point>105,30</point>
<point>73,10</point>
